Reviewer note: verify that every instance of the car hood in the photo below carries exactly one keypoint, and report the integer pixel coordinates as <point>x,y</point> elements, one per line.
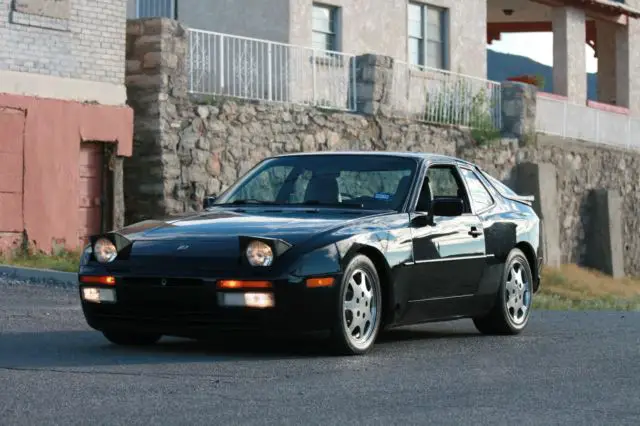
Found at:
<point>291,225</point>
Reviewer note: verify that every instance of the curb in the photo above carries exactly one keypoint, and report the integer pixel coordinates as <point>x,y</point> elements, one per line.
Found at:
<point>39,276</point>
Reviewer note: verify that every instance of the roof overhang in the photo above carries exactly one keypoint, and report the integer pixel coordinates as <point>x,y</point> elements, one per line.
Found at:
<point>604,7</point>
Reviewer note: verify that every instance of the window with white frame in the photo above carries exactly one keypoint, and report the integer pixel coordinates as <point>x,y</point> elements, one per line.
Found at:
<point>325,27</point>
<point>427,35</point>
<point>156,9</point>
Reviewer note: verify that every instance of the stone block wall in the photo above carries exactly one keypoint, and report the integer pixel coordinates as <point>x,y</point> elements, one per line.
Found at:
<point>186,147</point>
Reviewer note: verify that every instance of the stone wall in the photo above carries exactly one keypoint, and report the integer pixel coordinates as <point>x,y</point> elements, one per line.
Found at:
<point>582,167</point>
<point>187,147</point>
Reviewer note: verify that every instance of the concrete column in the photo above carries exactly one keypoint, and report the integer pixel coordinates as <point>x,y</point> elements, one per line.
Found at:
<point>540,181</point>
<point>606,43</point>
<point>374,78</point>
<point>518,110</point>
<point>628,66</point>
<point>605,237</point>
<point>569,57</point>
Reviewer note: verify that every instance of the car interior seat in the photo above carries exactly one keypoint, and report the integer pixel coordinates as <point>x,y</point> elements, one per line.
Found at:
<point>403,188</point>
<point>426,196</point>
<point>323,189</point>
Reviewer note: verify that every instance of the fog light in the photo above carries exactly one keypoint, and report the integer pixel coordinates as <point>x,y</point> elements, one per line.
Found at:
<point>249,300</point>
<point>99,295</point>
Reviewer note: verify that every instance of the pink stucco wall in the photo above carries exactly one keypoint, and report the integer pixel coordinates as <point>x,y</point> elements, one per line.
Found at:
<point>53,132</point>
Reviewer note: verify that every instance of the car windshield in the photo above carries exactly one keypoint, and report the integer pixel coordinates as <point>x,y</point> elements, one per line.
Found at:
<point>378,182</point>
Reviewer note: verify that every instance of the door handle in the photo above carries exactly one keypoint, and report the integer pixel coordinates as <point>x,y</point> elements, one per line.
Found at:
<point>475,232</point>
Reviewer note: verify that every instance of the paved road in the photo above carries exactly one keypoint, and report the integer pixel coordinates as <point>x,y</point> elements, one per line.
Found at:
<point>568,368</point>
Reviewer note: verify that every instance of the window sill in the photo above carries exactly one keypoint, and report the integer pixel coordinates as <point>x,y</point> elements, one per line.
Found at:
<point>44,22</point>
<point>329,59</point>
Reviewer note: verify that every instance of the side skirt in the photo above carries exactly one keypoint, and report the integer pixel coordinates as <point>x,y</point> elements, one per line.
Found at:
<point>444,309</point>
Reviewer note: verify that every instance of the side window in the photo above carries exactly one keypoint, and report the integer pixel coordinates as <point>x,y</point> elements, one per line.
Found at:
<point>480,197</point>
<point>443,182</point>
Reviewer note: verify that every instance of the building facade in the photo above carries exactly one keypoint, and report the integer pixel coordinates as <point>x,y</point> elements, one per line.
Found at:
<point>447,38</point>
<point>64,120</point>
<point>419,31</point>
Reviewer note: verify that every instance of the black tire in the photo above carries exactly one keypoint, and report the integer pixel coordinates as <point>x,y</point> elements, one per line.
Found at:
<point>131,339</point>
<point>344,342</point>
<point>500,320</point>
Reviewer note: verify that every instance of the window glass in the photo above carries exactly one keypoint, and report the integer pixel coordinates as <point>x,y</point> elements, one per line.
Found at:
<point>324,27</point>
<point>443,182</point>
<point>265,185</point>
<point>155,9</point>
<point>359,184</point>
<point>502,189</point>
<point>415,51</point>
<point>373,181</point>
<point>480,197</point>
<point>426,35</point>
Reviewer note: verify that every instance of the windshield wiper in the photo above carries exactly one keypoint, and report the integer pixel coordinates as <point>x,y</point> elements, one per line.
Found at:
<point>247,201</point>
<point>319,203</point>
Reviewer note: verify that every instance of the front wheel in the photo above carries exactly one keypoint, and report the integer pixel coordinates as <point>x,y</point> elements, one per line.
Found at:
<point>131,339</point>
<point>359,308</point>
<point>510,313</point>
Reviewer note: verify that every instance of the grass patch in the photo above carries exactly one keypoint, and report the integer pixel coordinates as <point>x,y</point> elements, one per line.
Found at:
<point>65,261</point>
<point>571,287</point>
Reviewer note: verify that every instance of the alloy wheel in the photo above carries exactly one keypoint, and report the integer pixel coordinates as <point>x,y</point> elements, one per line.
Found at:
<point>517,293</point>
<point>360,308</point>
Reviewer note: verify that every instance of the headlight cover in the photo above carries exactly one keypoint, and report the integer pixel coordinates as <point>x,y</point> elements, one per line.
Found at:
<point>259,254</point>
<point>105,251</point>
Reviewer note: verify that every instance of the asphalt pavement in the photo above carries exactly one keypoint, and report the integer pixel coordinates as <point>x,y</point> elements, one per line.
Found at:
<point>567,368</point>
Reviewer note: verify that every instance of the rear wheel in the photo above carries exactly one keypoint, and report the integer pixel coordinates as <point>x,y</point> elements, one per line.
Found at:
<point>510,313</point>
<point>131,339</point>
<point>359,308</point>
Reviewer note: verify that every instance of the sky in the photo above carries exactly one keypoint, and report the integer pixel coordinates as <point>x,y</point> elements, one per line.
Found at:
<point>537,46</point>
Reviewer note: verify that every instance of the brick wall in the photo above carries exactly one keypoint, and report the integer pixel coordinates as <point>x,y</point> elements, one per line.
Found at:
<point>88,45</point>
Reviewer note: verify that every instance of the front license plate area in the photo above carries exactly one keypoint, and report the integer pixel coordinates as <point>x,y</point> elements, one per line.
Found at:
<point>166,297</point>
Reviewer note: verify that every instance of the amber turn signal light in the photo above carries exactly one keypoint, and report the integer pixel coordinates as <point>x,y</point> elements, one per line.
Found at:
<point>98,279</point>
<point>319,282</point>
<point>239,285</point>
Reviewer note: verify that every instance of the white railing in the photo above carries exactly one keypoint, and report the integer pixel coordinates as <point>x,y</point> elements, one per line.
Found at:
<point>439,96</point>
<point>561,118</point>
<point>248,68</point>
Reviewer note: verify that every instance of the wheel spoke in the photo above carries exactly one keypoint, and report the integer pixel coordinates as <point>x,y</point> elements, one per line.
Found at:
<point>511,303</point>
<point>355,323</point>
<point>510,286</point>
<point>517,275</point>
<point>350,305</point>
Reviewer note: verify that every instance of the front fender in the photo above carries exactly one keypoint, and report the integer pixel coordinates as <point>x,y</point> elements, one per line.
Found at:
<point>321,261</point>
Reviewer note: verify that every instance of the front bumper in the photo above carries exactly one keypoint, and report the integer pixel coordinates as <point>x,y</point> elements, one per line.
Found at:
<point>192,308</point>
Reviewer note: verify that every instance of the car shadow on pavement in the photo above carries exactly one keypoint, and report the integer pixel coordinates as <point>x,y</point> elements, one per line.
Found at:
<point>50,349</point>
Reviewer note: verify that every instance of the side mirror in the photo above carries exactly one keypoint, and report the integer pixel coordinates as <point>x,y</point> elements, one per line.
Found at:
<point>421,220</point>
<point>447,207</point>
<point>208,201</point>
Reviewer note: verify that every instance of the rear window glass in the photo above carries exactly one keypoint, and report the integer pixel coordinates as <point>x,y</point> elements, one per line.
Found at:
<point>503,189</point>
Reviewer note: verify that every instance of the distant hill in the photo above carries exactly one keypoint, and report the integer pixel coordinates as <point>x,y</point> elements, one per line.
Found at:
<point>500,66</point>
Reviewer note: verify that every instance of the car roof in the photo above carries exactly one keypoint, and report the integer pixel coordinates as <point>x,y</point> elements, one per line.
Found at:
<point>426,156</point>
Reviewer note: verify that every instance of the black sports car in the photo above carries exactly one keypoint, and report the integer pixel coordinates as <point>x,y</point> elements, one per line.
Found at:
<point>342,242</point>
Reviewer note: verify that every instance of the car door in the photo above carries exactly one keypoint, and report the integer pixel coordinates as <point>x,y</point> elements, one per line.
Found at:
<point>449,252</point>
<point>482,204</point>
